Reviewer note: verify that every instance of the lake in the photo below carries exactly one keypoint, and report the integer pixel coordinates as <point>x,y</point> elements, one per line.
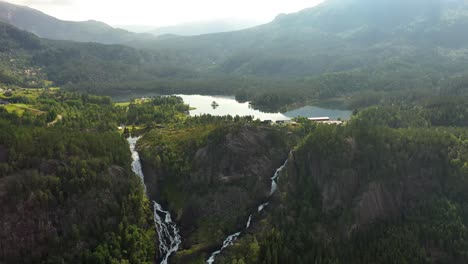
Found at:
<point>227,105</point>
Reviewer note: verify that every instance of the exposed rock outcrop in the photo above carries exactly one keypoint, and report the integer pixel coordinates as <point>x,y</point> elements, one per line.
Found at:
<point>245,153</point>
<point>228,176</point>
<point>365,199</point>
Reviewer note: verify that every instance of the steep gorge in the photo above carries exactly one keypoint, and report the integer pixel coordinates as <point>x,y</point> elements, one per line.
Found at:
<point>359,194</point>
<point>216,182</point>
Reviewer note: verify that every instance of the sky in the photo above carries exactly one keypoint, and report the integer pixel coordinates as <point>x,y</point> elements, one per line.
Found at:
<point>165,12</point>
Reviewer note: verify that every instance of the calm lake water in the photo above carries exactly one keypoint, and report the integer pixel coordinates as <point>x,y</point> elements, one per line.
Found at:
<point>227,105</point>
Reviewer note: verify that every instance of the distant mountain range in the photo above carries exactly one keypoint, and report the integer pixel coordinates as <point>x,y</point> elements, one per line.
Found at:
<point>338,47</point>
<point>194,28</point>
<point>46,26</point>
<point>337,35</point>
<point>205,27</point>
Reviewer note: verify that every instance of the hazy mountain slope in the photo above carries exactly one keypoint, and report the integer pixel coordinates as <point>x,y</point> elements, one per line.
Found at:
<point>136,28</point>
<point>11,38</point>
<point>335,36</point>
<point>66,62</point>
<point>47,26</point>
<point>204,27</point>
<point>339,49</point>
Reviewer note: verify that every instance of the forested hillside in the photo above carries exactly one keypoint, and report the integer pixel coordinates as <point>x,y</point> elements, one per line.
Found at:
<point>388,186</point>
<point>378,190</point>
<point>335,36</point>
<point>66,188</point>
<point>376,49</point>
<point>50,27</point>
<point>94,66</point>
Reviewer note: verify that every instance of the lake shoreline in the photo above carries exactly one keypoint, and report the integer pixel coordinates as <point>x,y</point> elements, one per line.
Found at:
<point>222,105</point>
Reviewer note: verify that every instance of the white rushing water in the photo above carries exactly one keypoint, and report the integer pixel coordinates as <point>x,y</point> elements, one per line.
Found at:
<point>248,222</point>
<point>274,179</point>
<point>229,241</point>
<point>168,233</point>
<point>261,207</point>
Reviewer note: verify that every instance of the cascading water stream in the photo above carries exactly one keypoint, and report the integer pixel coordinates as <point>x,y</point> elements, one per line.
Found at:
<point>229,241</point>
<point>168,233</point>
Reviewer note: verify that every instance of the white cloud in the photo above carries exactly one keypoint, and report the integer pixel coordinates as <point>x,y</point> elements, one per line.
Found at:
<point>165,12</point>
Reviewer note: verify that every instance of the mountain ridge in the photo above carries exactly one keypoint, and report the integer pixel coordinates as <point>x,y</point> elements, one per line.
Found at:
<point>204,27</point>
<point>46,26</point>
<point>292,58</point>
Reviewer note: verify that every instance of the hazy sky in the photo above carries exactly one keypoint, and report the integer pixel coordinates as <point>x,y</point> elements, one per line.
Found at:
<point>165,12</point>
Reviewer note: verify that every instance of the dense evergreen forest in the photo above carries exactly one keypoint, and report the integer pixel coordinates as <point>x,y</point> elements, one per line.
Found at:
<point>67,192</point>
<point>387,186</point>
<point>363,57</point>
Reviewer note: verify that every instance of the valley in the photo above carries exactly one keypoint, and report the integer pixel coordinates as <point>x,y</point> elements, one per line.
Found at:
<point>214,175</point>
<point>334,135</point>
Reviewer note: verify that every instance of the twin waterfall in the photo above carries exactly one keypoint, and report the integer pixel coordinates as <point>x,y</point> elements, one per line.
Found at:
<point>229,241</point>
<point>168,233</point>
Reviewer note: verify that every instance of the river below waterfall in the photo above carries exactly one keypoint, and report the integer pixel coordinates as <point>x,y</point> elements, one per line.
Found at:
<point>229,241</point>
<point>168,233</point>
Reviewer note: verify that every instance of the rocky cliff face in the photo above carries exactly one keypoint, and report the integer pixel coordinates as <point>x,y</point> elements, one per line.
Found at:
<point>228,175</point>
<point>247,153</point>
<point>354,198</point>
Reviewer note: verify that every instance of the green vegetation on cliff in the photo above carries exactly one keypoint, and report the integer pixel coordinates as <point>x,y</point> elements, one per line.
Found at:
<point>387,187</point>
<point>70,196</point>
<point>371,192</point>
<point>390,186</point>
<point>67,191</point>
<point>211,172</point>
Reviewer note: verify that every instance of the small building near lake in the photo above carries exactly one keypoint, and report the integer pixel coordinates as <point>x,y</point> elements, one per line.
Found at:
<point>3,102</point>
<point>319,119</point>
<point>326,120</point>
<point>335,122</point>
<point>287,123</point>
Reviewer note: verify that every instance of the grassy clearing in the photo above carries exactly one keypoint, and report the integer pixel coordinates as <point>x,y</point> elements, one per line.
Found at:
<point>19,109</point>
<point>124,104</point>
<point>140,101</point>
<point>13,109</point>
<point>136,101</point>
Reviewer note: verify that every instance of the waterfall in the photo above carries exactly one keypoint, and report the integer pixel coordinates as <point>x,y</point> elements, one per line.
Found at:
<point>274,179</point>
<point>229,241</point>
<point>168,233</point>
<point>248,222</point>
<point>261,207</point>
